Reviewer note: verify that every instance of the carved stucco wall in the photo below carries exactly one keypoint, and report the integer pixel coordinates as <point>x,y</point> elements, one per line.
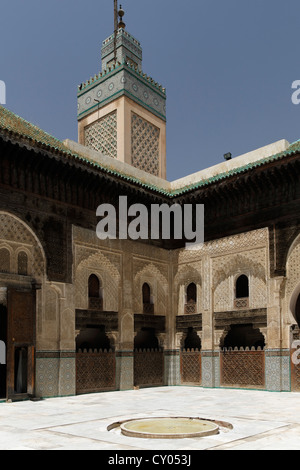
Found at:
<point>90,261</point>
<point>154,275</point>
<point>186,275</point>
<point>217,265</point>
<point>16,237</point>
<point>292,287</point>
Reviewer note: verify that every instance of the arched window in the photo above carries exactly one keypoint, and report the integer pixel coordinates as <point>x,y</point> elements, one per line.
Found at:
<point>242,287</point>
<point>242,292</point>
<point>4,260</point>
<point>148,307</point>
<point>191,298</point>
<point>22,263</point>
<point>191,293</point>
<point>95,293</point>
<point>146,293</point>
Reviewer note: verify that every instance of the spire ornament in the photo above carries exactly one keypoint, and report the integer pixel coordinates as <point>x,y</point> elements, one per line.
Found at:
<point>121,13</point>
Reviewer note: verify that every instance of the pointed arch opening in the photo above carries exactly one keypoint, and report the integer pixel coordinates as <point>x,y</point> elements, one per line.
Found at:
<point>191,299</point>
<point>22,263</point>
<point>148,306</point>
<point>95,293</point>
<point>4,260</point>
<point>242,292</point>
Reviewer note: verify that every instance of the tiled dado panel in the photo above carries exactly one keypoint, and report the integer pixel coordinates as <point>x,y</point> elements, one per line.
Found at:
<point>277,369</point>
<point>172,367</point>
<point>124,370</point>
<point>55,374</point>
<point>210,362</point>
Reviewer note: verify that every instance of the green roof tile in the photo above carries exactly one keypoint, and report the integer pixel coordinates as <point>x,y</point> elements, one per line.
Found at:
<point>10,122</point>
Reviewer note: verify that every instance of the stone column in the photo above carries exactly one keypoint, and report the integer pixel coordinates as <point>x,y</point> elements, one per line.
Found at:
<point>125,348</point>
<point>67,348</point>
<point>55,353</point>
<point>172,362</point>
<point>277,358</point>
<point>207,352</point>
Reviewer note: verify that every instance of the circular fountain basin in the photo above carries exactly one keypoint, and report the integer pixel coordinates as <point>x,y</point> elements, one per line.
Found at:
<point>169,428</point>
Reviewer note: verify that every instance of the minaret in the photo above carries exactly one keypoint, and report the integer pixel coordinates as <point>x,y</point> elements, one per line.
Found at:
<point>122,111</point>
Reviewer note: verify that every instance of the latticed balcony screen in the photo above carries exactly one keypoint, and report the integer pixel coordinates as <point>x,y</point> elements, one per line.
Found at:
<point>148,309</point>
<point>190,308</point>
<point>241,303</point>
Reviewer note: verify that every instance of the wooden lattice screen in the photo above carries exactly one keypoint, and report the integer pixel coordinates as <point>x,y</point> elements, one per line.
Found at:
<point>95,371</point>
<point>243,368</point>
<point>148,368</point>
<point>191,367</point>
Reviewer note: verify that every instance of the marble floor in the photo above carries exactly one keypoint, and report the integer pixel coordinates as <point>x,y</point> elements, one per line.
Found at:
<point>261,420</point>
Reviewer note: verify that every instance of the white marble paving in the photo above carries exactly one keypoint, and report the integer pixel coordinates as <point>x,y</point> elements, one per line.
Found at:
<point>261,420</point>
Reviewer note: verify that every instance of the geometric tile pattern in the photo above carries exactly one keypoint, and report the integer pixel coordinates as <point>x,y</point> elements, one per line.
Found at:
<point>124,370</point>
<point>207,362</point>
<point>55,377</point>
<point>47,377</point>
<point>102,135</point>
<point>278,370</point>
<point>144,145</point>
<point>172,367</point>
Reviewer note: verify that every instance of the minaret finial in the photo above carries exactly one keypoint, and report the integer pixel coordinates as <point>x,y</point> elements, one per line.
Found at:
<point>121,13</point>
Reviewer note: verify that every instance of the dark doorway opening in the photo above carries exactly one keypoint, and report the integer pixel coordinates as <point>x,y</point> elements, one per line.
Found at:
<point>192,340</point>
<point>242,287</point>
<point>244,336</point>
<point>21,367</point>
<point>93,338</point>
<point>146,339</point>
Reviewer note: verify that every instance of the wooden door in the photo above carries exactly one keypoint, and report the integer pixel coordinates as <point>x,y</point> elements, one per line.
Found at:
<point>20,344</point>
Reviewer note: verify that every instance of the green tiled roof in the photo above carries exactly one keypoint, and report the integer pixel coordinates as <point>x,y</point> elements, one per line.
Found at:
<point>13,123</point>
<point>291,150</point>
<point>10,122</point>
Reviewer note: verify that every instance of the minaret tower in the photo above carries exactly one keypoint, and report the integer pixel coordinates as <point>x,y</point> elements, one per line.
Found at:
<point>121,110</point>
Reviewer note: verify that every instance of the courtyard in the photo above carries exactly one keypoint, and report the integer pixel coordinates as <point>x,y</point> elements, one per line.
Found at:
<point>260,420</point>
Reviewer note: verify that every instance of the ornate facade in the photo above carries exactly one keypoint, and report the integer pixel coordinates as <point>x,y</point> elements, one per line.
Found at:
<point>79,314</point>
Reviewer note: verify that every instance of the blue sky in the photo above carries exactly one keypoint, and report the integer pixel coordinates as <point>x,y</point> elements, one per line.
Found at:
<point>227,66</point>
